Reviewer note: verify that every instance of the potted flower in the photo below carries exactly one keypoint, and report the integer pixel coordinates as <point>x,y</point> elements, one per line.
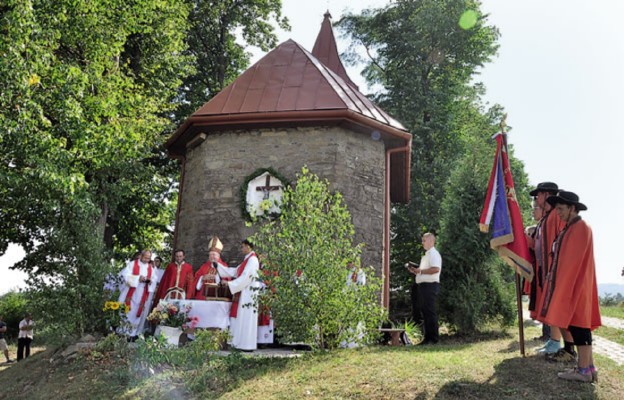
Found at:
<point>114,312</point>
<point>171,319</point>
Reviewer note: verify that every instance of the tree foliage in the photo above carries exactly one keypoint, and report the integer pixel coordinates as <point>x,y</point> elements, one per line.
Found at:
<point>480,291</point>
<point>425,64</point>
<point>219,32</point>
<point>88,91</point>
<point>86,86</point>
<point>305,254</point>
<point>13,307</point>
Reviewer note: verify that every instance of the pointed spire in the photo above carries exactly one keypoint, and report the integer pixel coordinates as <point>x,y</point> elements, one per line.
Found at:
<point>326,51</point>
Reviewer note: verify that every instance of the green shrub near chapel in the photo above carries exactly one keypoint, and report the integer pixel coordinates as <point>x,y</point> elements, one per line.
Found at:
<point>13,306</point>
<point>305,252</point>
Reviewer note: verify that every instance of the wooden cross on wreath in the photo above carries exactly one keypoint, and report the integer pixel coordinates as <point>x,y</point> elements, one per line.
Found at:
<point>261,193</point>
<point>267,188</point>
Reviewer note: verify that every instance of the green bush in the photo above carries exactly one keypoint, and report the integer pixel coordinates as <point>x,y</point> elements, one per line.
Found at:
<point>13,306</point>
<point>611,300</point>
<point>306,252</point>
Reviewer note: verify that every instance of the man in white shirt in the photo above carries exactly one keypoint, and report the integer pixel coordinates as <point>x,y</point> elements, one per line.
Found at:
<point>3,345</point>
<point>428,280</point>
<point>25,337</point>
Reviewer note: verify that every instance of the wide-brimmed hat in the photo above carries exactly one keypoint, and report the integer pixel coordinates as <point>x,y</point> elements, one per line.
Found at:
<point>550,187</point>
<point>568,198</point>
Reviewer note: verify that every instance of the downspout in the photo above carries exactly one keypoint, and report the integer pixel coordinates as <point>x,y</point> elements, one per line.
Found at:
<point>386,245</point>
<point>180,190</point>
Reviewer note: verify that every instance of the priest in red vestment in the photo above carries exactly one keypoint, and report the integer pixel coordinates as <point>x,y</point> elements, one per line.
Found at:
<point>177,281</point>
<point>570,299</point>
<point>209,274</point>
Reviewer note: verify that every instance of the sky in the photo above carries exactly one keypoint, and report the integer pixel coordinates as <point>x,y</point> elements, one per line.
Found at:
<point>559,75</point>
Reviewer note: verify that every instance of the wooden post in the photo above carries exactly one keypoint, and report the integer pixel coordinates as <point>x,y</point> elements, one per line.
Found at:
<point>520,318</point>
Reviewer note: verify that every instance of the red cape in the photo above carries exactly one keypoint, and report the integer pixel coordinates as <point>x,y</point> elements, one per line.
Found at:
<point>551,226</point>
<point>168,281</point>
<point>203,270</point>
<point>573,291</point>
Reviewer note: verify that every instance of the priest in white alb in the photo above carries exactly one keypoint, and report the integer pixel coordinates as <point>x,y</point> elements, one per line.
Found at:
<point>244,312</point>
<point>139,281</point>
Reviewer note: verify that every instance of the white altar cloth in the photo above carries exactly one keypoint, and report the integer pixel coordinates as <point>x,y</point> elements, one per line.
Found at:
<point>211,314</point>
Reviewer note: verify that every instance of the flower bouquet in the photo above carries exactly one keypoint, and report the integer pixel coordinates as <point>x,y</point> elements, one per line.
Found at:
<point>170,314</point>
<point>171,319</point>
<point>190,324</point>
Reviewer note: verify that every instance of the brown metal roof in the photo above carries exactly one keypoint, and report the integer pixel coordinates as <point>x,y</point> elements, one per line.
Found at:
<point>326,51</point>
<point>289,86</point>
<point>289,78</point>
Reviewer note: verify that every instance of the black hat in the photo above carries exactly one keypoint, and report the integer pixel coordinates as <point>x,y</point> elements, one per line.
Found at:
<point>549,187</point>
<point>568,198</point>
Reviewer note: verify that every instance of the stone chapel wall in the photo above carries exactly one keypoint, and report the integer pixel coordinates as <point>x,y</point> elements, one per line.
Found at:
<point>215,170</point>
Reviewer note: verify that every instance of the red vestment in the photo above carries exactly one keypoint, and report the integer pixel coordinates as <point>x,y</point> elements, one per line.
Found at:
<point>547,231</point>
<point>239,273</point>
<point>170,278</point>
<point>570,293</point>
<point>205,269</point>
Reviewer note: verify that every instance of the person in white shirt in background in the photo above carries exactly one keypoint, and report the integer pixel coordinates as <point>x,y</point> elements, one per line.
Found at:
<point>25,337</point>
<point>428,280</point>
<point>355,275</point>
<point>3,344</point>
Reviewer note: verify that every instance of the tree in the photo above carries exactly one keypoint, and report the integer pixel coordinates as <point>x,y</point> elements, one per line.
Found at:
<point>476,287</point>
<point>86,86</point>
<point>305,253</point>
<point>425,63</point>
<point>219,32</point>
<point>13,307</point>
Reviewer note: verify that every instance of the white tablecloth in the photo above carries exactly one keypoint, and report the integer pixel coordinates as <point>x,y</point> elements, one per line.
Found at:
<point>211,314</point>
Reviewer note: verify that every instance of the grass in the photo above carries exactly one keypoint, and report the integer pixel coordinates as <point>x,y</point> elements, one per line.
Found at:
<point>613,311</point>
<point>488,366</point>
<point>613,334</point>
<point>13,354</point>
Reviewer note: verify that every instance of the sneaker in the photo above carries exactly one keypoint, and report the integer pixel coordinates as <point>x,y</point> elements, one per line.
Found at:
<point>552,346</point>
<point>594,373</point>
<point>10,361</point>
<point>562,356</point>
<point>575,375</point>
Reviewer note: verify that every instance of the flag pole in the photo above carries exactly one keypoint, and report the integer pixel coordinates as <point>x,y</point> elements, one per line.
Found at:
<point>503,125</point>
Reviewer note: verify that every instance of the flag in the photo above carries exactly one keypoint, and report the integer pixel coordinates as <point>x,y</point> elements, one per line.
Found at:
<point>502,211</point>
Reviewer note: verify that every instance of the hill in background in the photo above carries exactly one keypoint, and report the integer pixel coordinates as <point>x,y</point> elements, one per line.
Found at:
<point>610,288</point>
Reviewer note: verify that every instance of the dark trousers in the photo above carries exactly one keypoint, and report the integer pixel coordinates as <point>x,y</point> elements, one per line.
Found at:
<point>427,296</point>
<point>416,311</point>
<point>545,331</point>
<point>23,344</point>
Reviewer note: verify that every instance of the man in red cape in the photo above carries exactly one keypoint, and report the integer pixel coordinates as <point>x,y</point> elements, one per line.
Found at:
<point>177,281</point>
<point>570,299</point>
<point>546,231</point>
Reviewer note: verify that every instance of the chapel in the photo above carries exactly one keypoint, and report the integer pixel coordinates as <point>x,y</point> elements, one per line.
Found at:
<point>291,108</point>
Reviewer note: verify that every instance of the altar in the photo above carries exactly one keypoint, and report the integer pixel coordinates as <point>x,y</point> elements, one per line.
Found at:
<point>211,314</point>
